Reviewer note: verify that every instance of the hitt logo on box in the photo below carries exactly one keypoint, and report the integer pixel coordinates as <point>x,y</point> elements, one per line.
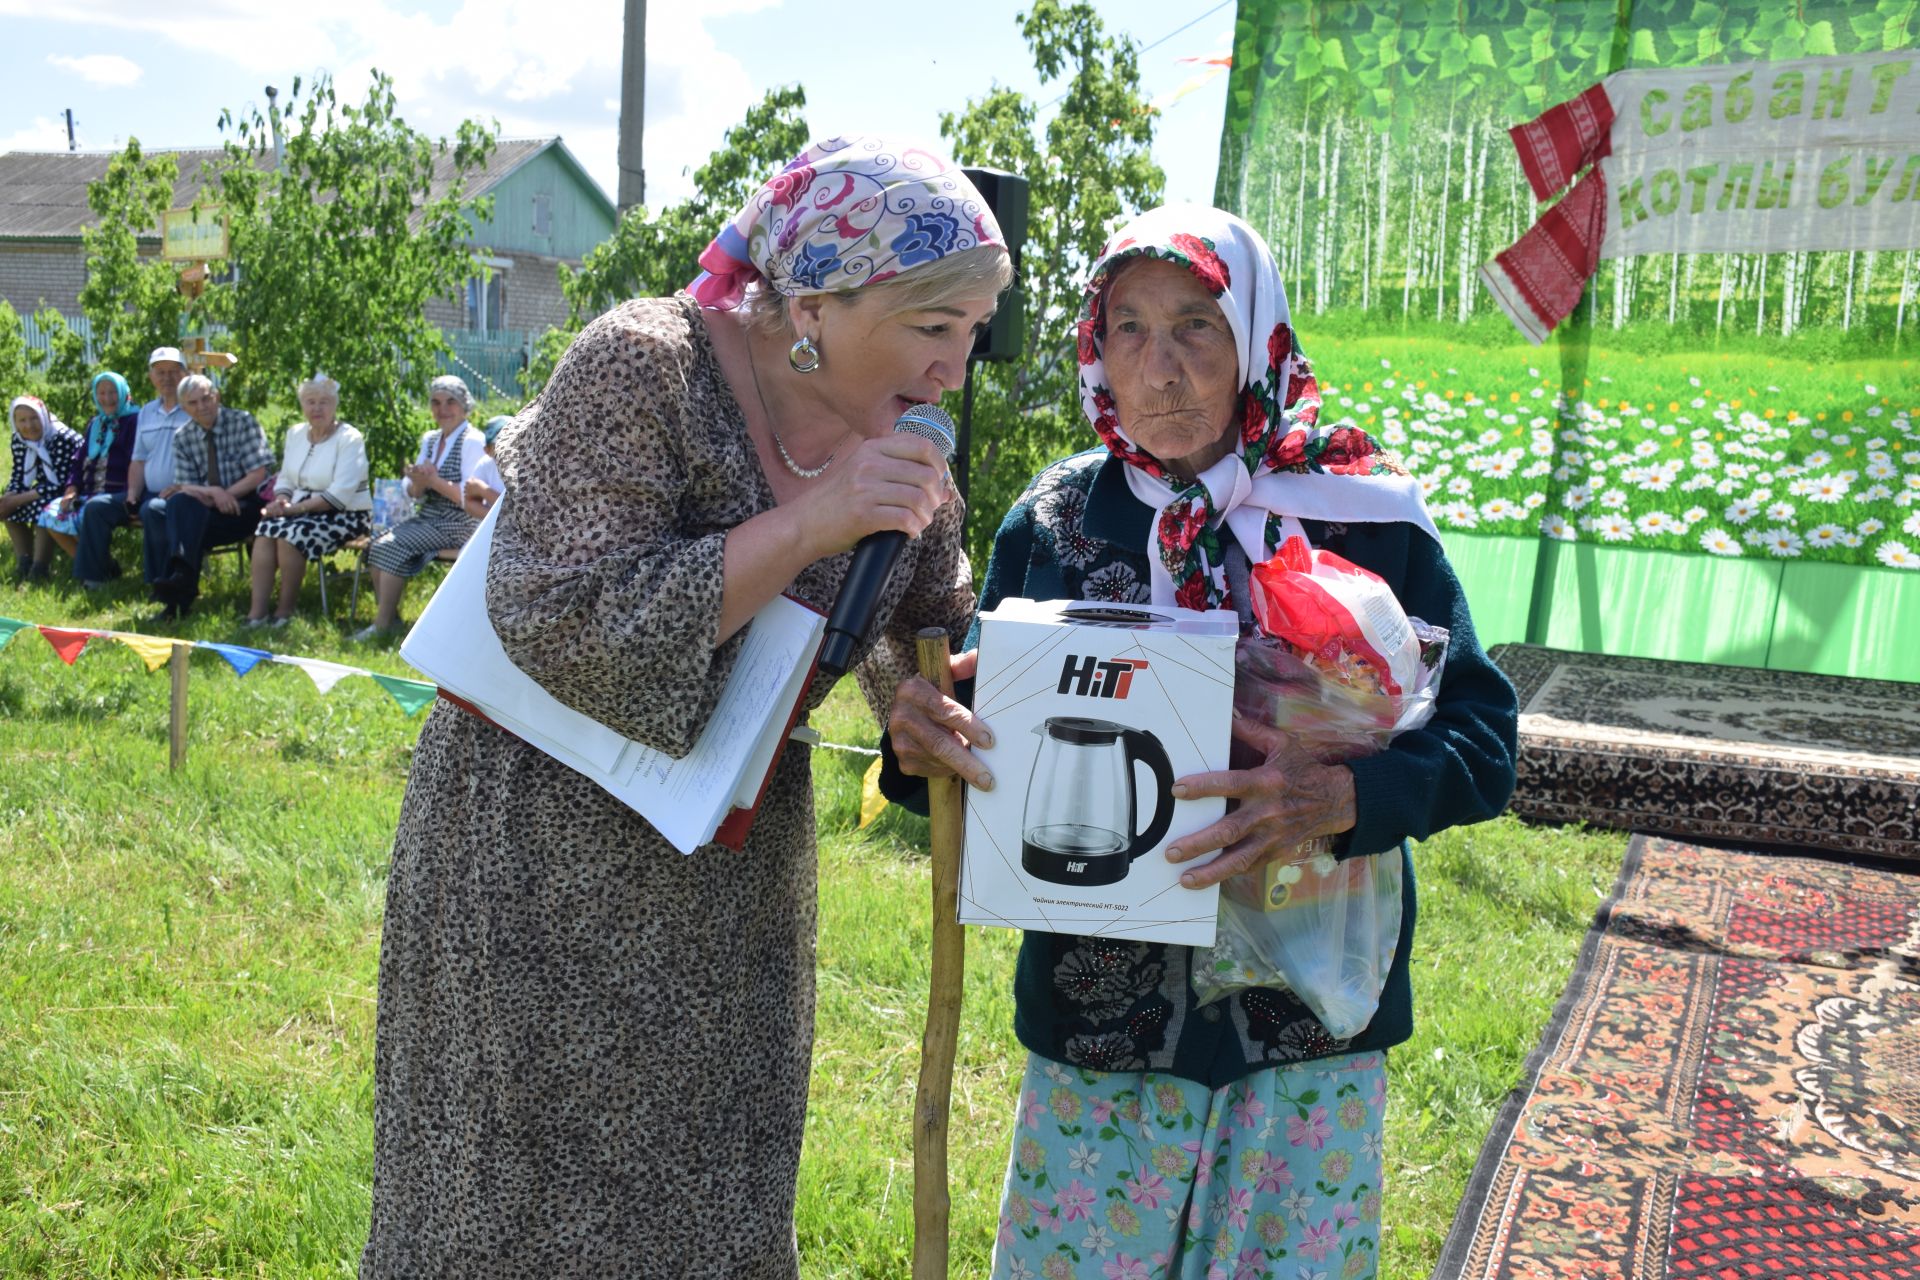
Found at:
<point>1099,678</point>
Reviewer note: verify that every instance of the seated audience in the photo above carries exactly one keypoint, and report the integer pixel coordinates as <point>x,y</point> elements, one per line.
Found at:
<point>322,499</point>
<point>94,502</point>
<point>151,472</point>
<point>43,453</point>
<point>437,480</point>
<point>220,459</point>
<point>486,486</point>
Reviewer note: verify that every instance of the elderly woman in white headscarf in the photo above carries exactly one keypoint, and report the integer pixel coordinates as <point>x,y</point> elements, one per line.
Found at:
<point>321,501</point>
<point>1157,1135</point>
<point>437,480</point>
<point>43,452</point>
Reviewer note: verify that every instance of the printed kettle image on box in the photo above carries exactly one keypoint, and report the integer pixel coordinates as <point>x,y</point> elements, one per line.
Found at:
<point>1096,710</point>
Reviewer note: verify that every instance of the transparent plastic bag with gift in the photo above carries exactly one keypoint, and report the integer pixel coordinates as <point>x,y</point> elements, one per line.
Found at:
<point>1337,665</point>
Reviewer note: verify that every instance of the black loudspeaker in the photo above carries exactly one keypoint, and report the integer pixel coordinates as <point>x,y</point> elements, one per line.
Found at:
<point>1006,194</point>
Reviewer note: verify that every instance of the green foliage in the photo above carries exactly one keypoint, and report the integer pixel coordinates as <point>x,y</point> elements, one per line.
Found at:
<point>14,365</point>
<point>134,304</point>
<point>63,380</point>
<point>654,253</point>
<point>1388,57</point>
<point>1092,170</point>
<point>341,248</point>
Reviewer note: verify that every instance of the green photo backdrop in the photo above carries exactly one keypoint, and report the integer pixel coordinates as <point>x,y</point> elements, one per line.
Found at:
<point>1717,457</point>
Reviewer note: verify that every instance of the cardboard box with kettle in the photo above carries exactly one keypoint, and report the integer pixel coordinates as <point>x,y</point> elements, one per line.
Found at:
<point>1096,709</point>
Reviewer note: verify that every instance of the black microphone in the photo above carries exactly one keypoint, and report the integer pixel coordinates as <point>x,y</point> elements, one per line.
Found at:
<point>873,557</point>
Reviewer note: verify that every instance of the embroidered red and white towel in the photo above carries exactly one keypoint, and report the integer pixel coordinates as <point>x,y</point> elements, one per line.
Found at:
<point>1816,153</point>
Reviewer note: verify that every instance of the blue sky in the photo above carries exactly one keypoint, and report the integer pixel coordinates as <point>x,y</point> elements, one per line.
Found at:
<point>552,66</point>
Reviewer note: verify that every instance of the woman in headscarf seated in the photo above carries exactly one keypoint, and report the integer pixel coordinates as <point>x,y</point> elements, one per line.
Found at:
<point>592,1051</point>
<point>1157,1136</point>
<point>437,480</point>
<point>43,452</point>
<point>94,501</point>
<point>322,500</point>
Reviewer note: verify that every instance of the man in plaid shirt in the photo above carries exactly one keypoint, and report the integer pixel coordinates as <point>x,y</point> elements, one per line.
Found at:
<point>220,458</point>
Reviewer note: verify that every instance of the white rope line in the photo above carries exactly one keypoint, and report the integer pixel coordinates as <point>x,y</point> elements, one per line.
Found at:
<point>841,746</point>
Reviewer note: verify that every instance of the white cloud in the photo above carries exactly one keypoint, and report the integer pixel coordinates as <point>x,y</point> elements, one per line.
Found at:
<point>538,67</point>
<point>46,133</point>
<point>107,69</point>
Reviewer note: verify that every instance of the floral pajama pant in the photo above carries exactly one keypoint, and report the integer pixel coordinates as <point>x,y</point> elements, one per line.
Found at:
<point>1119,1176</point>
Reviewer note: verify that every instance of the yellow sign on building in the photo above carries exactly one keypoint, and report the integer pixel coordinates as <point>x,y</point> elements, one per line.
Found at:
<point>194,234</point>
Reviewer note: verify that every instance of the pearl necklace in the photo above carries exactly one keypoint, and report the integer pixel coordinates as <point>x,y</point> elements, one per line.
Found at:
<point>805,473</point>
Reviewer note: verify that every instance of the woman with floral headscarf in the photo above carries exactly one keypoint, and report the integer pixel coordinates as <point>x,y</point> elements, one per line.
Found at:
<point>592,1052</point>
<point>1157,1136</point>
<point>94,502</point>
<point>43,452</point>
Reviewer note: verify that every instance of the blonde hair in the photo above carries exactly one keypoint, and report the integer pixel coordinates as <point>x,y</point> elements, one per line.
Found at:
<point>967,274</point>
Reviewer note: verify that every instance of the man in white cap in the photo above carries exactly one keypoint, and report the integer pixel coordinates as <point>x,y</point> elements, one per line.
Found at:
<point>150,474</point>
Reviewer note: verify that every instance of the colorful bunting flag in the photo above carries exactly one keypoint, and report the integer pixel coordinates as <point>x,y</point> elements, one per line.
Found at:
<point>238,656</point>
<point>325,675</point>
<point>67,644</point>
<point>410,694</point>
<point>153,650</point>
<point>871,801</point>
<point>70,642</point>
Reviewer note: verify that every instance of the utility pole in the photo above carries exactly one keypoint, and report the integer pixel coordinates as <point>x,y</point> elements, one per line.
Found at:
<point>633,107</point>
<point>273,118</point>
<point>71,144</point>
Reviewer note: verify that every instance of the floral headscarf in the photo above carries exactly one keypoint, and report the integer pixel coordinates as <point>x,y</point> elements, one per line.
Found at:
<point>844,213</point>
<point>35,450</point>
<point>1286,466</point>
<point>102,428</point>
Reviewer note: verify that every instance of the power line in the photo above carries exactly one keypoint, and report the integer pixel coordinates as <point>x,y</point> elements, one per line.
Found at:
<point>1157,43</point>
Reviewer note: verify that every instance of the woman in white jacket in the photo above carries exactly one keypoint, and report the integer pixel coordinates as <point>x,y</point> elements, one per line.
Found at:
<point>322,499</point>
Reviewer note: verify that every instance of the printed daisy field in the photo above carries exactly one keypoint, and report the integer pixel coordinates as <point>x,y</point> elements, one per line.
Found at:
<point>1731,455</point>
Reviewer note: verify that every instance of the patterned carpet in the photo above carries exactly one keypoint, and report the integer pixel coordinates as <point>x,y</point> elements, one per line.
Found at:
<point>1729,1088</point>
<point>1734,755</point>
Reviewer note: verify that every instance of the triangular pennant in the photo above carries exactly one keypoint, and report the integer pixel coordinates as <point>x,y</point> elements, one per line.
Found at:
<point>153,650</point>
<point>67,644</point>
<point>325,675</point>
<point>871,801</point>
<point>238,656</point>
<point>8,626</point>
<point>410,694</point>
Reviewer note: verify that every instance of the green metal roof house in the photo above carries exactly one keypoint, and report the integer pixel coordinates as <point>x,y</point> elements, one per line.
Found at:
<point>546,211</point>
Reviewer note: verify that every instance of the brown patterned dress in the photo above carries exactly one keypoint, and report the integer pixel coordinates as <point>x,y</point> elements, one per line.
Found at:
<point>592,1051</point>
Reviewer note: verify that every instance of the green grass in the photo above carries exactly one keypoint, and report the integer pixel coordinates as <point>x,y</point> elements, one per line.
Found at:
<point>188,961</point>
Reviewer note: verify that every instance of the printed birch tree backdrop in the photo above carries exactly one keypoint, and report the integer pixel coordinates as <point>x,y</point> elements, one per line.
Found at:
<point>1737,404</point>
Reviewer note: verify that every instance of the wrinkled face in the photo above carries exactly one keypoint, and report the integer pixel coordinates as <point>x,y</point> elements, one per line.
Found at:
<point>874,366</point>
<point>1172,365</point>
<point>107,396</point>
<point>447,409</point>
<point>202,405</point>
<point>165,376</point>
<point>27,423</point>
<point>319,409</point>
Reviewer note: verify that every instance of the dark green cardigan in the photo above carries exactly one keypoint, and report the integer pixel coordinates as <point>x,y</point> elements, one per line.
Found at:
<point>1113,1005</point>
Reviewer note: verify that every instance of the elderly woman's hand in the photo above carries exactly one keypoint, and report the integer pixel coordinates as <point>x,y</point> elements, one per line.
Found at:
<point>1282,803</point>
<point>931,733</point>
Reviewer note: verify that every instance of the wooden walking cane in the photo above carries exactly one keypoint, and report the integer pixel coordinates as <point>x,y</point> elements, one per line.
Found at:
<point>933,1098</point>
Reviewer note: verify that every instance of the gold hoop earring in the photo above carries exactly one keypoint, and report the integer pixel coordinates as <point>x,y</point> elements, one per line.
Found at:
<point>803,355</point>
